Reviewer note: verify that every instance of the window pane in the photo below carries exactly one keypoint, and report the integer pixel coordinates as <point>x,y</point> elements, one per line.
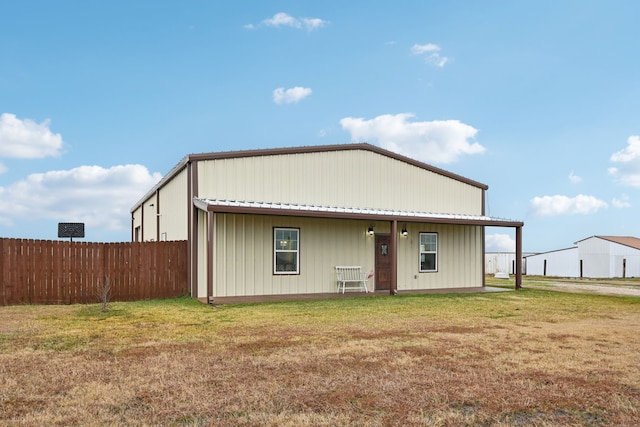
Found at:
<point>428,251</point>
<point>285,250</point>
<point>427,262</point>
<point>428,242</point>
<point>286,261</point>
<point>286,240</point>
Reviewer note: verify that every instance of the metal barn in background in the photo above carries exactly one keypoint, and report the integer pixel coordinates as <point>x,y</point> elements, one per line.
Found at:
<point>503,262</point>
<point>593,257</point>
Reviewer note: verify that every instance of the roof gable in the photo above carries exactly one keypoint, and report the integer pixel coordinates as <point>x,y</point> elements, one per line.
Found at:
<point>326,148</point>
<point>274,152</point>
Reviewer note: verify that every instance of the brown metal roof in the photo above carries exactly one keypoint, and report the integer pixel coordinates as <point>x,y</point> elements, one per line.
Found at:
<point>260,208</point>
<point>632,242</point>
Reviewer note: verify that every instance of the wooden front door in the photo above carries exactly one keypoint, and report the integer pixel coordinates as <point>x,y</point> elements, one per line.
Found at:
<point>383,262</point>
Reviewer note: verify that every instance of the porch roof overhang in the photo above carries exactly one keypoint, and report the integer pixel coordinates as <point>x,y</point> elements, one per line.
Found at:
<point>312,211</point>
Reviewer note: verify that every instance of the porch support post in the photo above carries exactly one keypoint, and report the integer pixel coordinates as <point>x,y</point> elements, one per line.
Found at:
<point>210,245</point>
<point>518,258</point>
<point>393,286</point>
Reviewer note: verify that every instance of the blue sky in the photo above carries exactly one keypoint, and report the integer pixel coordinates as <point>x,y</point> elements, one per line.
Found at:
<point>538,100</point>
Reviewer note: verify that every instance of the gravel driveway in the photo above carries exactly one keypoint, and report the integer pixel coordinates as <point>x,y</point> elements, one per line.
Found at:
<point>594,288</point>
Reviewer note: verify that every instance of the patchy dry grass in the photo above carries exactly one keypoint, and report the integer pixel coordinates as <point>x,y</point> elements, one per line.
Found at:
<point>527,358</point>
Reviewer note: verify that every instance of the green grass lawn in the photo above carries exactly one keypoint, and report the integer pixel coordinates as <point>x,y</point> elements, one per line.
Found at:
<point>511,358</point>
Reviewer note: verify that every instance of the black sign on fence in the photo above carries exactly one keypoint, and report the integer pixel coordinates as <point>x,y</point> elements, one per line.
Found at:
<point>71,229</point>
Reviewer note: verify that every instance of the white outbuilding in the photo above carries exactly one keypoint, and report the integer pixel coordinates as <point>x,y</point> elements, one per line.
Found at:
<point>593,257</point>
<point>502,263</point>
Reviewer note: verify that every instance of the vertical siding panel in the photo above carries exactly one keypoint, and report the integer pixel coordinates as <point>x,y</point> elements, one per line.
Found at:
<point>255,179</point>
<point>237,261</point>
<point>249,245</point>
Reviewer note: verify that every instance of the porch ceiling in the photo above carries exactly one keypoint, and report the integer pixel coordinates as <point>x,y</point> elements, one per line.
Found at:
<point>285,209</point>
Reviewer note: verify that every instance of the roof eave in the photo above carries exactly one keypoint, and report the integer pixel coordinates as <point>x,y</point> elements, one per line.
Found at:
<point>310,212</point>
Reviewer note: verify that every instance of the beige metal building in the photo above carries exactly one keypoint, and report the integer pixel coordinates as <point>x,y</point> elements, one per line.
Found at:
<point>278,221</point>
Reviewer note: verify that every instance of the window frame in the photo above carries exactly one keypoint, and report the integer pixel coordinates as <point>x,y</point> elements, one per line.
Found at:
<point>434,252</point>
<point>277,251</point>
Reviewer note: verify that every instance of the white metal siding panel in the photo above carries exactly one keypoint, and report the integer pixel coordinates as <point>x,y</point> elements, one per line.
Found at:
<point>604,259</point>
<point>621,255</point>
<point>137,221</point>
<point>495,262</point>
<point>150,219</point>
<point>535,265</point>
<point>459,258</point>
<point>244,254</point>
<point>595,256</point>
<point>174,206</point>
<point>562,263</point>
<point>499,262</point>
<point>201,260</point>
<point>355,178</point>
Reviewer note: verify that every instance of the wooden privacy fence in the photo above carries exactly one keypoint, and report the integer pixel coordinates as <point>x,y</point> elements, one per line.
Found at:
<point>60,272</point>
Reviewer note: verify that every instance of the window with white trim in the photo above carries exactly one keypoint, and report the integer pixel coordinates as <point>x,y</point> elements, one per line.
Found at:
<point>286,255</point>
<point>428,252</point>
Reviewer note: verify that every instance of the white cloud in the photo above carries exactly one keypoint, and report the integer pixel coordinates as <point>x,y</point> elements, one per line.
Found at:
<point>499,243</point>
<point>622,202</point>
<point>563,205</point>
<point>99,197</point>
<point>419,49</point>
<point>575,179</point>
<point>432,52</point>
<point>285,20</point>
<point>628,173</point>
<point>290,96</point>
<point>27,139</point>
<point>439,141</point>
